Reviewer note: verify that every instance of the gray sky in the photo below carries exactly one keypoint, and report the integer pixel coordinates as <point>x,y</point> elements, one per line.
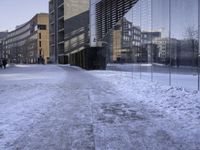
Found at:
<point>17,12</point>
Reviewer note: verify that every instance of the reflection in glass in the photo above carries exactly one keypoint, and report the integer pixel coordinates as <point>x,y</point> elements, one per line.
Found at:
<point>184,42</point>
<point>159,39</point>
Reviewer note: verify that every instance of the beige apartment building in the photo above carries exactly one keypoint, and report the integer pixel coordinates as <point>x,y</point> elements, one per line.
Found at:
<point>29,42</point>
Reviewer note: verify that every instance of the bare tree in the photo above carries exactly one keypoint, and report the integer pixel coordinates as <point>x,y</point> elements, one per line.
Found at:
<point>191,34</point>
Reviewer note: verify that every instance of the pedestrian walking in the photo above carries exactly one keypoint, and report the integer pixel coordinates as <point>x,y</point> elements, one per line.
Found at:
<point>43,61</point>
<point>4,63</point>
<point>1,65</point>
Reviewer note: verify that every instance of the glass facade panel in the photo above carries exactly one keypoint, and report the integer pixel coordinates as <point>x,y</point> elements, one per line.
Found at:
<point>160,40</point>
<point>134,16</point>
<point>184,43</point>
<point>146,39</point>
<point>157,40</point>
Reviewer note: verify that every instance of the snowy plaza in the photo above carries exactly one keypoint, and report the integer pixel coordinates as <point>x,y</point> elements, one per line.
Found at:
<point>100,75</point>
<point>51,107</point>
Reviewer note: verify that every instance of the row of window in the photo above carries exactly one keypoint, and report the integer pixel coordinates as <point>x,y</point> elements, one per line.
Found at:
<point>20,43</point>
<point>74,41</point>
<point>19,31</point>
<point>17,38</point>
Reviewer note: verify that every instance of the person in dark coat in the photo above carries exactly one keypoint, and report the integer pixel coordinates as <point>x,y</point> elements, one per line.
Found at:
<point>4,63</point>
<point>1,65</point>
<point>43,61</point>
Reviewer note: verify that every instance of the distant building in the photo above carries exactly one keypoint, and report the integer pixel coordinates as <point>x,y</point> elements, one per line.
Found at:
<point>126,41</point>
<point>147,53</point>
<point>148,37</point>
<point>130,44</point>
<point>2,37</point>
<point>167,48</point>
<point>28,43</point>
<point>1,49</point>
<point>3,34</point>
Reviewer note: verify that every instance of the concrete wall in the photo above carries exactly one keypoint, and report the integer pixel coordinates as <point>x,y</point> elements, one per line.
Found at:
<point>75,7</point>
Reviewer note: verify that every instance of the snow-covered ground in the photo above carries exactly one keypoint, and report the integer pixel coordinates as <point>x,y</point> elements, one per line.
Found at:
<point>177,102</point>
<point>25,95</point>
<point>175,112</point>
<point>47,107</point>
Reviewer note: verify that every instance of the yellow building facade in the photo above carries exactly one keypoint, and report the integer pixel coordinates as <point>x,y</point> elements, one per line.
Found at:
<point>28,43</point>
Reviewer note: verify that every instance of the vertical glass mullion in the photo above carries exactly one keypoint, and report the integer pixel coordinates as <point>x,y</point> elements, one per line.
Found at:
<point>198,57</point>
<point>170,71</point>
<point>140,63</point>
<point>132,49</point>
<point>151,41</point>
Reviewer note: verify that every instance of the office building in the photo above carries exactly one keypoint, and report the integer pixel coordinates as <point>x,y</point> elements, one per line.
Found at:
<point>69,34</point>
<point>29,42</point>
<point>166,49</point>
<point>2,37</point>
<point>126,40</point>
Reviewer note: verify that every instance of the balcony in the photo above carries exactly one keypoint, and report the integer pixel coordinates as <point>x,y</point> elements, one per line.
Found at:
<point>60,37</point>
<point>61,11</point>
<point>51,19</point>
<point>60,25</point>
<point>51,7</point>
<point>61,49</point>
<point>60,3</point>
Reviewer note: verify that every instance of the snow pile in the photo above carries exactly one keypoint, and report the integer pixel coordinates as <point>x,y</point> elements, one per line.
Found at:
<point>182,105</point>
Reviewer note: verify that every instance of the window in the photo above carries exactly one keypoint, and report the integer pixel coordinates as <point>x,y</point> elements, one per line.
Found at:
<point>40,36</point>
<point>67,45</point>
<point>42,27</point>
<point>40,44</point>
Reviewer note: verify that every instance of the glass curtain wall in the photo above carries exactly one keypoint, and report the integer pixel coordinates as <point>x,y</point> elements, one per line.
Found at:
<point>158,40</point>
<point>184,43</point>
<point>145,54</point>
<point>161,41</point>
